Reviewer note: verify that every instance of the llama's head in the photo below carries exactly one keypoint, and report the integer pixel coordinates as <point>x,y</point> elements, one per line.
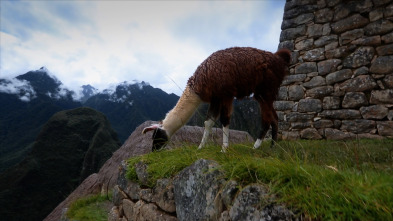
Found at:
<point>160,137</point>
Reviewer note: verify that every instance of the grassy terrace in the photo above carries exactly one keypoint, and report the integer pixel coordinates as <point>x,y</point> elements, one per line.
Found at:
<point>328,180</point>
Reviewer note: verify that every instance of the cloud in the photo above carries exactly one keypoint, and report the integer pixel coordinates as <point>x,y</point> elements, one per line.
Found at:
<point>21,88</point>
<point>107,42</point>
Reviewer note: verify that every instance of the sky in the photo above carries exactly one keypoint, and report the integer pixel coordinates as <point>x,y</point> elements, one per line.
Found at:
<point>104,43</point>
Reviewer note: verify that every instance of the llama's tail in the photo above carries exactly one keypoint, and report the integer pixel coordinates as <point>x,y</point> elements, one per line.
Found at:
<point>285,55</point>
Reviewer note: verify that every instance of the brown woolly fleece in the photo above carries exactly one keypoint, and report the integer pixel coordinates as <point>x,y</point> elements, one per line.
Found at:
<point>239,72</point>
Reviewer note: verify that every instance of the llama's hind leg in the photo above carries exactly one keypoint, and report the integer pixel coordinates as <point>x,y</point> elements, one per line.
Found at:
<point>225,116</point>
<point>274,125</point>
<point>266,121</point>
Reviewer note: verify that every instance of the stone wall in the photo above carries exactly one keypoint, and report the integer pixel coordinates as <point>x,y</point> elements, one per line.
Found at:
<point>199,192</point>
<point>341,77</point>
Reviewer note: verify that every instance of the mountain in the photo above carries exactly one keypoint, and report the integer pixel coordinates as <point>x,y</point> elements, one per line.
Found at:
<point>27,102</point>
<point>30,99</point>
<point>129,105</point>
<point>72,145</point>
<point>87,92</point>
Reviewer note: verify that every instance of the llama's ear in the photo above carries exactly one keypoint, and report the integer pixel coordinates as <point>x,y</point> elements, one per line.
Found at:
<point>150,128</point>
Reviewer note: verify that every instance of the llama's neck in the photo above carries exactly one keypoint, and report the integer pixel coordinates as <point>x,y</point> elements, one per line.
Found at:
<point>182,112</point>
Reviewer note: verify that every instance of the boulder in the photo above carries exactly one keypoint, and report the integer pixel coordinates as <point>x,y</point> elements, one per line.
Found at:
<point>197,190</point>
<point>247,206</point>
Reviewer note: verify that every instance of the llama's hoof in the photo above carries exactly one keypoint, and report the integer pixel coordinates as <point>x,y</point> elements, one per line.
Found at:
<point>224,149</point>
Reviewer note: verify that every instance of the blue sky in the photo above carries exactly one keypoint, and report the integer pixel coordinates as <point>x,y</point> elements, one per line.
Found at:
<point>104,43</point>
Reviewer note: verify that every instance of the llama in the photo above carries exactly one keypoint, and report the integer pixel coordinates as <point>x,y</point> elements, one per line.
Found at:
<point>236,72</point>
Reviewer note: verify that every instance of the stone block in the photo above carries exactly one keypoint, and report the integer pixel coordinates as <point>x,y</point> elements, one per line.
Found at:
<point>305,44</point>
<point>330,103</point>
<point>341,114</point>
<point>382,96</point>
<point>334,134</point>
<point>128,208</point>
<point>286,44</point>
<point>376,112</point>
<point>282,93</point>
<point>324,40</point>
<point>359,83</point>
<point>316,54</point>
<point>294,117</point>
<point>368,41</point>
<point>290,135</point>
<point>379,27</point>
<point>328,66</point>
<point>344,9</point>
<point>196,190</point>
<point>338,76</point>
<point>324,15</point>
<point>300,125</point>
<point>382,65</point>
<point>360,71</point>
<point>362,56</point>
<point>294,78</point>
<point>310,105</point>
<point>388,38</point>
<point>305,68</point>
<point>292,33</point>
<point>294,22</point>
<point>388,81</point>
<point>323,124</point>
<point>385,128</point>
<point>385,50</point>
<point>310,134</point>
<point>352,22</point>
<point>163,195</point>
<point>354,100</point>
<point>315,30</point>
<point>295,92</point>
<point>315,82</point>
<point>319,92</point>
<point>376,14</point>
<point>390,115</point>
<point>358,126</point>
<point>351,35</point>
<point>283,105</point>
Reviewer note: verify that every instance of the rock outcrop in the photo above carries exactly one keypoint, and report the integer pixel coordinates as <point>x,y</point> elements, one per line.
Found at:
<point>198,192</point>
<point>138,144</point>
<point>341,76</point>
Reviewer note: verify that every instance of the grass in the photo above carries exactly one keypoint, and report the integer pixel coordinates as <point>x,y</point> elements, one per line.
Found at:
<point>326,180</point>
<point>91,208</point>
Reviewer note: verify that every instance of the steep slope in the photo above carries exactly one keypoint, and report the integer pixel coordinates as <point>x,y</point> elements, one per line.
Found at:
<point>72,145</point>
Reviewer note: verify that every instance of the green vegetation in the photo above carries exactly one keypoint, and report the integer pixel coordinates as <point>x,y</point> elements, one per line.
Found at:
<point>326,180</point>
<point>91,208</point>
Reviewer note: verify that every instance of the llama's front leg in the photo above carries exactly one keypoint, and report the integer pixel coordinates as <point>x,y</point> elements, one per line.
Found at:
<point>225,138</point>
<point>208,127</point>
